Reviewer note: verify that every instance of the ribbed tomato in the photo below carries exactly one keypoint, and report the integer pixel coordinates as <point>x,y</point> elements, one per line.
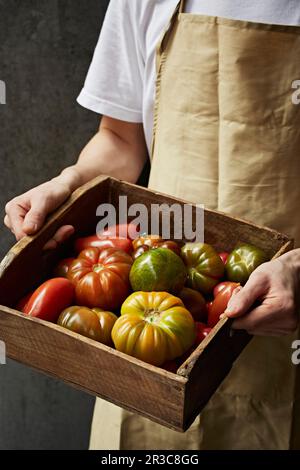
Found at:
<point>95,324</point>
<point>154,327</point>
<point>242,261</point>
<point>147,242</point>
<point>158,270</point>
<point>204,266</point>
<point>103,242</point>
<point>130,231</point>
<point>194,302</point>
<point>101,277</point>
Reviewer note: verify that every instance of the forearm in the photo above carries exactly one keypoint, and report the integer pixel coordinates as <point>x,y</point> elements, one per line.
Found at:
<point>108,153</point>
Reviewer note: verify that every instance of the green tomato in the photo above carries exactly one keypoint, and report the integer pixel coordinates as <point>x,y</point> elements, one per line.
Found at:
<point>242,261</point>
<point>158,270</point>
<point>204,265</point>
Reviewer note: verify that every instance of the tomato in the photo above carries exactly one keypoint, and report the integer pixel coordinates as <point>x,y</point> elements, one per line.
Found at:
<point>102,243</point>
<point>158,270</point>
<point>147,242</point>
<point>154,327</point>
<point>202,330</point>
<point>204,265</point>
<point>242,261</point>
<point>224,285</point>
<point>95,324</point>
<point>101,277</point>
<point>23,302</point>
<point>220,302</point>
<point>224,255</point>
<point>130,231</point>
<point>48,300</point>
<point>62,268</point>
<point>194,302</point>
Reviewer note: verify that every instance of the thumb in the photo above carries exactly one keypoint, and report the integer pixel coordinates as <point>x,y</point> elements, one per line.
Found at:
<point>35,217</point>
<point>241,302</point>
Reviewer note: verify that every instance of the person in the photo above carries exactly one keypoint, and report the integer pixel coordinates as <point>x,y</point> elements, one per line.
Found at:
<point>205,89</point>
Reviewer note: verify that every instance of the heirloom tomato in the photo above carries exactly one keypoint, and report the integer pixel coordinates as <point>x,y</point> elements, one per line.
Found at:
<point>158,270</point>
<point>204,266</point>
<point>154,327</point>
<point>147,242</point>
<point>130,231</point>
<point>48,300</point>
<point>202,330</point>
<point>222,292</point>
<point>224,255</point>
<point>93,323</point>
<point>225,285</point>
<point>194,302</point>
<point>62,268</point>
<point>23,302</point>
<point>103,242</point>
<point>101,277</point>
<point>242,261</point>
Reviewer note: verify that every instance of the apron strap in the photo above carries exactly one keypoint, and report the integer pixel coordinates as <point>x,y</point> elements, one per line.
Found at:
<point>163,40</point>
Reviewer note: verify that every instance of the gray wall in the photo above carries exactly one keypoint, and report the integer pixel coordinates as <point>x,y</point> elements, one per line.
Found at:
<point>45,50</point>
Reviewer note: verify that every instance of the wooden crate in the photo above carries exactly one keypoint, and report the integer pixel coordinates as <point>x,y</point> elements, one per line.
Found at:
<point>173,400</point>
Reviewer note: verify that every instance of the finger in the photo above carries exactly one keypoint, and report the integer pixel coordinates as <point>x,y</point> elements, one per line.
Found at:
<point>62,234</point>
<point>35,217</point>
<point>7,222</point>
<point>239,304</point>
<point>15,218</point>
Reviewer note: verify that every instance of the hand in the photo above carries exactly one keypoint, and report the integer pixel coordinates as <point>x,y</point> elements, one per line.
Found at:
<point>26,214</point>
<point>275,287</point>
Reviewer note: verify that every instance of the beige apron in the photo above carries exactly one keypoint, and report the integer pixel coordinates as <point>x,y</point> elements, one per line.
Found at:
<point>227,134</point>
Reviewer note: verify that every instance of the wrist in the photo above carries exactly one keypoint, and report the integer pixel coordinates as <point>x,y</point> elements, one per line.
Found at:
<point>70,178</point>
<point>292,260</point>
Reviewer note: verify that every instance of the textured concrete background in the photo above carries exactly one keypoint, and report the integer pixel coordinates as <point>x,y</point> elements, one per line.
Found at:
<point>45,50</point>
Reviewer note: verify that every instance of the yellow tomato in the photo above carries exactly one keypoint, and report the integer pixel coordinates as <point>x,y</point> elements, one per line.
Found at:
<point>154,327</point>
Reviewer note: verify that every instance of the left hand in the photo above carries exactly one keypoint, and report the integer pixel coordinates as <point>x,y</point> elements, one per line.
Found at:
<point>275,287</point>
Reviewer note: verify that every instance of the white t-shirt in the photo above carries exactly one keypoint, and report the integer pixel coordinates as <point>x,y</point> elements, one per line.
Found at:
<point>121,79</point>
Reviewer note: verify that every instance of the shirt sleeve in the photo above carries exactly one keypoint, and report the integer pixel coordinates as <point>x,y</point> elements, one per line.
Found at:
<point>114,85</point>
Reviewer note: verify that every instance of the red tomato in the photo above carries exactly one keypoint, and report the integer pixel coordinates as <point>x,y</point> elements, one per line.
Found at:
<point>224,255</point>
<point>23,302</point>
<point>62,268</point>
<point>50,299</point>
<point>194,302</point>
<point>130,231</point>
<point>95,242</point>
<point>219,304</point>
<point>101,277</point>
<point>224,285</point>
<point>202,330</point>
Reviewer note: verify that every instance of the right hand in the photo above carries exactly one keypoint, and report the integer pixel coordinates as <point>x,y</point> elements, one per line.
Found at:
<point>25,214</point>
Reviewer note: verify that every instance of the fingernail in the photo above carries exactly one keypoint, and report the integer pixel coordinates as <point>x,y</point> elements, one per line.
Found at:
<point>30,226</point>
